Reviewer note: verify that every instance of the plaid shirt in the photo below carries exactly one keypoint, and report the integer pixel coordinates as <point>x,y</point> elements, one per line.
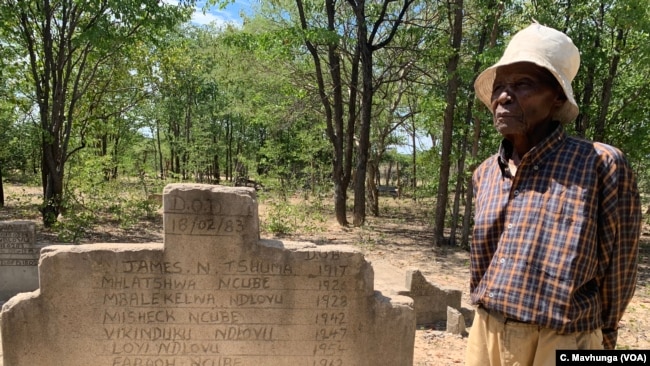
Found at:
<point>557,244</point>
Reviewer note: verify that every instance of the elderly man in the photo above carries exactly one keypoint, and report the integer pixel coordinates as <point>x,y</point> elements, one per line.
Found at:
<point>555,243</point>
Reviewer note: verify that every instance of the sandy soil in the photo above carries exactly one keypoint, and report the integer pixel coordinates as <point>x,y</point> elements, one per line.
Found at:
<point>402,237</point>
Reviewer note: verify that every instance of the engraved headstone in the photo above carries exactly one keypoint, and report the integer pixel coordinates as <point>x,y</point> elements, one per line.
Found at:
<point>18,258</point>
<point>212,295</point>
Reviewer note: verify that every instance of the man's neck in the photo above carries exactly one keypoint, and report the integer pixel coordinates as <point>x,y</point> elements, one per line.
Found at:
<point>521,144</point>
<point>513,162</point>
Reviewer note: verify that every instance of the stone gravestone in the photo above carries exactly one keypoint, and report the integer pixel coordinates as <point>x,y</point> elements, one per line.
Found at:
<point>455,322</point>
<point>212,295</point>
<point>18,258</point>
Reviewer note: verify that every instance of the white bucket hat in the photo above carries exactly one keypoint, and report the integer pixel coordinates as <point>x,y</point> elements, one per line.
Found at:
<point>547,48</point>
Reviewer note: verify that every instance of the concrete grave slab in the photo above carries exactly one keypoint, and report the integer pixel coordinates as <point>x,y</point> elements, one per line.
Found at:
<point>455,322</point>
<point>212,295</point>
<point>1,361</point>
<point>430,300</point>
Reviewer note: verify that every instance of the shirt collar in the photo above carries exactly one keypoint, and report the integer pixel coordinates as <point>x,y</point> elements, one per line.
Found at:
<point>550,143</point>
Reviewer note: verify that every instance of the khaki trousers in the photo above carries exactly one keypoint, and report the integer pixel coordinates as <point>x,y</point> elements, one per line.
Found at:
<point>493,342</point>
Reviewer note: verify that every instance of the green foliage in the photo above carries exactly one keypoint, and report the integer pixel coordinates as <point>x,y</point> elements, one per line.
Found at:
<point>75,68</point>
<point>211,104</point>
<point>285,218</point>
<point>76,225</point>
<point>118,203</point>
<point>282,218</point>
<point>91,199</point>
<point>131,211</point>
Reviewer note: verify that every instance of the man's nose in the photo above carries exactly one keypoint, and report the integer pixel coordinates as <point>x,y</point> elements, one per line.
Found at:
<point>504,97</point>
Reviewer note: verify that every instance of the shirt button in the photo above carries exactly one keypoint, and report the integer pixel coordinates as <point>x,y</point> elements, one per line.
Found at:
<point>502,261</point>
<point>510,226</point>
<point>516,192</point>
<point>536,167</point>
<point>491,294</point>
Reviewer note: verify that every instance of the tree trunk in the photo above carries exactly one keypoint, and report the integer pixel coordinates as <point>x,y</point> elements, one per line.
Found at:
<point>606,95</point>
<point>366,46</point>
<point>229,161</point>
<point>216,169</point>
<point>339,137</point>
<point>160,154</point>
<point>582,122</point>
<point>389,172</point>
<point>103,151</point>
<point>459,188</point>
<point>414,159</point>
<point>373,192</point>
<point>188,136</point>
<point>53,190</point>
<point>469,193</point>
<point>467,178</point>
<point>399,180</point>
<point>364,129</point>
<point>116,151</point>
<point>2,189</point>
<point>64,64</point>
<point>452,90</point>
<point>340,206</point>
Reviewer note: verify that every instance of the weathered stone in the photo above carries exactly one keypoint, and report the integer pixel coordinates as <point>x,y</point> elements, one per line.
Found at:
<point>455,321</point>
<point>212,295</point>
<point>430,301</point>
<point>18,258</point>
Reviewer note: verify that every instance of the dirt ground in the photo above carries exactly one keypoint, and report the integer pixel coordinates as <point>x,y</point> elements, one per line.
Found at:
<point>402,237</point>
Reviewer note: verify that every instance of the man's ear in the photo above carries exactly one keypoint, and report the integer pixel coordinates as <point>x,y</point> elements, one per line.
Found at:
<point>560,98</point>
<point>559,101</point>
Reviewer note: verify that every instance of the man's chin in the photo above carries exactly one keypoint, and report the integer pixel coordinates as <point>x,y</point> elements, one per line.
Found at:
<point>509,127</point>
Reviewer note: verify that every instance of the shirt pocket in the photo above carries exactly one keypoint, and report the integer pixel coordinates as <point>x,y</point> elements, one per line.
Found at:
<point>566,244</point>
<point>564,205</point>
